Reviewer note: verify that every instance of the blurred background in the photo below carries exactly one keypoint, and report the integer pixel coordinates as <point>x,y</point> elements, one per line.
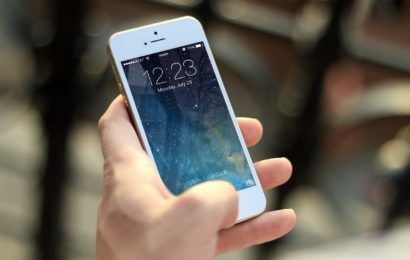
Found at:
<point>330,80</point>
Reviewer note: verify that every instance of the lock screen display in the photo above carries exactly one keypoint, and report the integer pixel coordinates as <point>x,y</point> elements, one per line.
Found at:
<point>185,119</point>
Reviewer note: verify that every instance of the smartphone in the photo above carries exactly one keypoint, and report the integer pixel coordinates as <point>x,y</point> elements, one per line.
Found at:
<point>176,98</point>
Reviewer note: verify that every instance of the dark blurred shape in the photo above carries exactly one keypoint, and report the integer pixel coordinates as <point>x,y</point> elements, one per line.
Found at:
<point>59,98</point>
<point>42,33</point>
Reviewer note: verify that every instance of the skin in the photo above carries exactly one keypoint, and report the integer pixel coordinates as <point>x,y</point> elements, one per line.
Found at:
<point>140,219</point>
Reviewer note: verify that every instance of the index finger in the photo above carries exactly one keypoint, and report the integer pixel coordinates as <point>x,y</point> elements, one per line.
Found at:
<point>124,156</point>
<point>116,130</point>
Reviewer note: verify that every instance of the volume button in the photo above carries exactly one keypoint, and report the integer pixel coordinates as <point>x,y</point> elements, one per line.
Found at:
<point>123,93</point>
<point>116,75</point>
<point>120,87</point>
<point>118,81</point>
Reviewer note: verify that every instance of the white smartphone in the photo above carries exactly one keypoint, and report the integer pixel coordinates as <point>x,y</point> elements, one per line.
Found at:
<point>180,108</point>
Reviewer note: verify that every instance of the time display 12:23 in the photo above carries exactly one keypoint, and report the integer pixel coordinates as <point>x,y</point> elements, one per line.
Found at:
<point>178,71</point>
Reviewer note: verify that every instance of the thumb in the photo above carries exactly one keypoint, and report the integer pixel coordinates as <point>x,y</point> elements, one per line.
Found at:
<point>218,200</point>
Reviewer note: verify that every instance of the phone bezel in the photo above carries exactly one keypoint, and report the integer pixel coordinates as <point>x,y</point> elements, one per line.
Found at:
<point>175,33</point>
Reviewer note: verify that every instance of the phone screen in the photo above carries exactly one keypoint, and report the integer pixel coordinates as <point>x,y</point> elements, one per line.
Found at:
<point>185,118</point>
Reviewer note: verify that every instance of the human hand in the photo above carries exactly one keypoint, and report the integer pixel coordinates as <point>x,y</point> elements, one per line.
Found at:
<point>140,219</point>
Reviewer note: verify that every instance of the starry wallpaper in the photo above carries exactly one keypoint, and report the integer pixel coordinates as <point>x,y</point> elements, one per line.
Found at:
<point>186,120</point>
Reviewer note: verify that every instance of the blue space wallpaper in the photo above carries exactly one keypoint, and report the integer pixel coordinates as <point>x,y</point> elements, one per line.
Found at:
<point>186,120</point>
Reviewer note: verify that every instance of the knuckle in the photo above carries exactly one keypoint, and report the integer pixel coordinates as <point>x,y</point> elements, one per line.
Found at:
<point>111,207</point>
<point>126,157</point>
<point>108,214</point>
<point>115,169</point>
<point>123,160</point>
<point>193,202</point>
<point>118,211</point>
<point>111,184</point>
<point>108,179</point>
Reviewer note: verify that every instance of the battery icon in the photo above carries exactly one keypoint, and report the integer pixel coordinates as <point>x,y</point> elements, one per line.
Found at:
<point>198,46</point>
